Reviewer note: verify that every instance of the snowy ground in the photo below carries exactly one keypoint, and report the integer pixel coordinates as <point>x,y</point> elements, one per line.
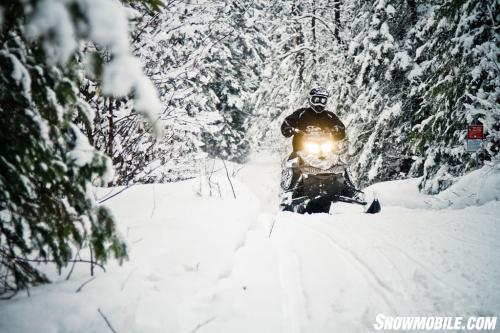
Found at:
<point>201,263</point>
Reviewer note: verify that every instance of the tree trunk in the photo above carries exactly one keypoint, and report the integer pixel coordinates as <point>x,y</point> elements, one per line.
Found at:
<point>336,10</point>
<point>111,129</point>
<point>299,40</point>
<point>412,6</point>
<point>314,45</point>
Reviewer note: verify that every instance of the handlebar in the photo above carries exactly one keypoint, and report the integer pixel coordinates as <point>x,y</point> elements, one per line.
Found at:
<point>334,130</point>
<point>298,131</point>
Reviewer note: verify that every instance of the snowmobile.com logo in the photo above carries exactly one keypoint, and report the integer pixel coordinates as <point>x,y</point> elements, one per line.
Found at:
<point>390,323</point>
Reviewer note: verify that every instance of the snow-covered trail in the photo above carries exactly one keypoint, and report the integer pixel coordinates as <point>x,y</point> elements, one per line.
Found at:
<point>201,263</point>
<point>339,271</point>
<point>342,273</point>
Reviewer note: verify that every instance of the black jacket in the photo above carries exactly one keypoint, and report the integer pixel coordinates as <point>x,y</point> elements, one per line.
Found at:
<point>304,117</point>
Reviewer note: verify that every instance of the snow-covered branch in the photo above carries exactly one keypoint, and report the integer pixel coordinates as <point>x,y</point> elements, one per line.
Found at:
<point>316,17</point>
<point>296,50</point>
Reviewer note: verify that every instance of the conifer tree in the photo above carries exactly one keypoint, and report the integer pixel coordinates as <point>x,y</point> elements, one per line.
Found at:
<point>406,78</point>
<point>47,210</point>
<point>457,71</point>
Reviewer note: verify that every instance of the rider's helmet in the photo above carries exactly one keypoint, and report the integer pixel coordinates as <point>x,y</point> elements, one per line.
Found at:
<point>317,98</point>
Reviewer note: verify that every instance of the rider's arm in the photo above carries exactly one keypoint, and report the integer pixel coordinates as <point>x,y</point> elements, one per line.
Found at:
<point>338,132</point>
<point>338,129</point>
<point>290,124</point>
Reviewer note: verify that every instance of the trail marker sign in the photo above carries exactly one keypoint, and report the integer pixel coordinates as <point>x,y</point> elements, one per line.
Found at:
<point>475,132</point>
<point>475,136</point>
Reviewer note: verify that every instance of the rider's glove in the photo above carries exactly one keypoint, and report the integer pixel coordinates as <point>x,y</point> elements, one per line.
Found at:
<point>335,129</point>
<point>292,131</point>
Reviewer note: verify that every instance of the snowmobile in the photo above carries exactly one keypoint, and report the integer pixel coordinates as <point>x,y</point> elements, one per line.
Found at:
<point>317,176</point>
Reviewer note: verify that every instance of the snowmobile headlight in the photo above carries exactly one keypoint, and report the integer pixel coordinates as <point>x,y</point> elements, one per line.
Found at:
<point>312,147</point>
<point>326,147</point>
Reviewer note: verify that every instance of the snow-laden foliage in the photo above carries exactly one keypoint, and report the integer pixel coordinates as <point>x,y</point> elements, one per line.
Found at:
<point>205,59</point>
<point>305,50</point>
<point>379,116</point>
<point>47,210</point>
<point>407,77</point>
<point>457,56</point>
<point>422,71</point>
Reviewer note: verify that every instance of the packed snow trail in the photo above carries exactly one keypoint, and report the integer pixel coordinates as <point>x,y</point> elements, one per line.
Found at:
<point>339,271</point>
<point>203,261</point>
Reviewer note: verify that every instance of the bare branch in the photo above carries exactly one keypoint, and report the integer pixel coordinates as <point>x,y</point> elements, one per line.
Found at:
<point>209,320</point>
<point>296,50</point>
<point>106,320</point>
<point>84,284</point>
<point>297,18</point>
<point>229,178</point>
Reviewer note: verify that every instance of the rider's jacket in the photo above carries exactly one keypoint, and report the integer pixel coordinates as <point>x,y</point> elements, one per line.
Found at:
<point>304,117</point>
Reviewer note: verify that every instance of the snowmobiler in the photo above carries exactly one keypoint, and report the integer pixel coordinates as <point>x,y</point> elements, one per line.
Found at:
<point>316,115</point>
<point>316,174</point>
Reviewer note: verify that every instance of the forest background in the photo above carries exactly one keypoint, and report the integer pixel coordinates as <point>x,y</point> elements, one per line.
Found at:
<point>107,93</point>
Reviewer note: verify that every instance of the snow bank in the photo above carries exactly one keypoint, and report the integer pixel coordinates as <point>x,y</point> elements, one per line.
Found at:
<point>401,193</point>
<point>194,262</point>
<point>473,189</point>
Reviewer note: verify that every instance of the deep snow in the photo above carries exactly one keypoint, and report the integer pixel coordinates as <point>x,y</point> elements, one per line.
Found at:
<point>201,263</point>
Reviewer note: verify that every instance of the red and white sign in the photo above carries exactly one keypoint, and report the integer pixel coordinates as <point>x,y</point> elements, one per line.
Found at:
<point>475,132</point>
<point>475,137</point>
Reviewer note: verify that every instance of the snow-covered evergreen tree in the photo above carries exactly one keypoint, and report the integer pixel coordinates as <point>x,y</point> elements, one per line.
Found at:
<point>235,62</point>
<point>406,77</point>
<point>307,49</point>
<point>206,62</point>
<point>420,68</point>
<point>47,210</point>
<point>378,116</point>
<point>457,80</point>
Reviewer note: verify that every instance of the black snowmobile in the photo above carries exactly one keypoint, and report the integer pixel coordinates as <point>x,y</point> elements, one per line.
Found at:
<point>317,177</point>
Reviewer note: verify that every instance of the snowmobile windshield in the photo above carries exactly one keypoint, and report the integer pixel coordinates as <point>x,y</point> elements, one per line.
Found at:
<point>320,149</point>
